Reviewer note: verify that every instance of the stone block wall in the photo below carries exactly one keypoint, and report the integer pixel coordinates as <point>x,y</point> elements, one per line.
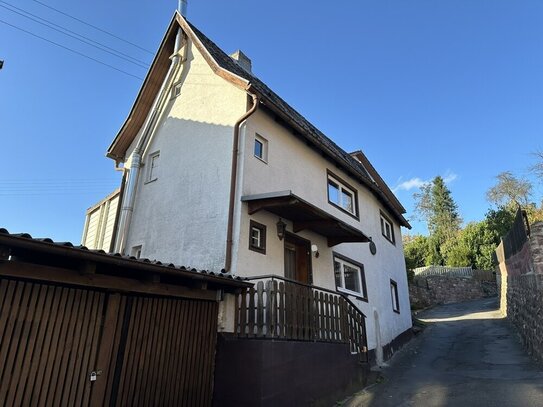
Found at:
<point>526,310</point>
<point>432,290</point>
<point>521,292</point>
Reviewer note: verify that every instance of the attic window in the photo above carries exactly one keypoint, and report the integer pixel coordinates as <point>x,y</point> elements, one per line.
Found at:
<point>387,229</point>
<point>152,169</point>
<point>176,90</point>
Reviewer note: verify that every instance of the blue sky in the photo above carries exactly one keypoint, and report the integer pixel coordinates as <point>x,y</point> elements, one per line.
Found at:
<point>424,88</point>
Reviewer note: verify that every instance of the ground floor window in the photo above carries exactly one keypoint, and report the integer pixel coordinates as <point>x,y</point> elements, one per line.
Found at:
<point>350,276</point>
<point>257,237</point>
<point>394,296</point>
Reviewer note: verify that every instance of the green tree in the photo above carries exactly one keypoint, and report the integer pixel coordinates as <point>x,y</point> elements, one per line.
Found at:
<point>434,203</point>
<point>500,220</point>
<point>415,251</point>
<point>456,252</point>
<point>475,244</point>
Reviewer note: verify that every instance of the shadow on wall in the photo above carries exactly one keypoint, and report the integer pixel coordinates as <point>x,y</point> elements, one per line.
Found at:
<point>174,219</point>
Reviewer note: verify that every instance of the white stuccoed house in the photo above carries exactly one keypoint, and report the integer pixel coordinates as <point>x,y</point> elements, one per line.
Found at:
<point>222,174</point>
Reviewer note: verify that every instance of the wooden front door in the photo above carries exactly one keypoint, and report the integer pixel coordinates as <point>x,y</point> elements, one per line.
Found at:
<point>298,259</point>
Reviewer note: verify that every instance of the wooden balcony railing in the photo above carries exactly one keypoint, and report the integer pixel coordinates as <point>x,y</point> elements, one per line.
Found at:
<point>280,308</point>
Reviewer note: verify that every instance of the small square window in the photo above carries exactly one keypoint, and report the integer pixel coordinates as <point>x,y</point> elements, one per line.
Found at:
<point>176,90</point>
<point>261,148</point>
<point>387,229</point>
<point>136,252</point>
<point>349,276</point>
<point>394,296</point>
<point>257,237</point>
<point>152,169</point>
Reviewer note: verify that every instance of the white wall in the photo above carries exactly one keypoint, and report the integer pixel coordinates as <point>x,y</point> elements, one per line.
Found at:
<point>292,165</point>
<point>99,223</point>
<point>182,216</point>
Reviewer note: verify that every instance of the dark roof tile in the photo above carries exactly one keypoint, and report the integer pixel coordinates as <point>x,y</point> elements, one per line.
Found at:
<point>311,133</point>
<point>70,246</point>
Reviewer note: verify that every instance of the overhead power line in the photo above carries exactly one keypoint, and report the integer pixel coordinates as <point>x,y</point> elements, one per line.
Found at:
<point>79,37</point>
<point>37,187</point>
<point>70,49</point>
<point>92,26</point>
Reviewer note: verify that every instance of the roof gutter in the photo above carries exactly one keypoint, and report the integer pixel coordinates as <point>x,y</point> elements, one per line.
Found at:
<point>233,178</point>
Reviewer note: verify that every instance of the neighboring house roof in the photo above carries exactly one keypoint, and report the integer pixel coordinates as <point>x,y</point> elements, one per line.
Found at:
<point>224,66</point>
<point>24,241</point>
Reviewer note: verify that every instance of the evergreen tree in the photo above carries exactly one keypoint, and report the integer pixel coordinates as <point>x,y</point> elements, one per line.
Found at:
<point>435,204</point>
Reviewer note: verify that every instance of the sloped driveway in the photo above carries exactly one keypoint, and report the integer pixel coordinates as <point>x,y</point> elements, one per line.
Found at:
<point>467,356</point>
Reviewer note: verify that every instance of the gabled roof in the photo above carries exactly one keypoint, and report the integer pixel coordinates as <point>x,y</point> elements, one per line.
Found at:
<point>368,166</point>
<point>224,66</point>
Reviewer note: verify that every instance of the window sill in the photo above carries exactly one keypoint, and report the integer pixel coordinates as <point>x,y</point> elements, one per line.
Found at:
<point>151,180</point>
<point>389,240</point>
<point>261,159</point>
<point>351,214</point>
<point>396,311</point>
<point>359,296</point>
<point>257,250</point>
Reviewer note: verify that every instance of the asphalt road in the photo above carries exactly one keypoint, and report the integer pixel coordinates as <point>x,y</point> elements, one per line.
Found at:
<point>467,356</point>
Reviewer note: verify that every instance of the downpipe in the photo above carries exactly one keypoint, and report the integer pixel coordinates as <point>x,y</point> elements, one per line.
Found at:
<point>137,155</point>
<point>233,178</point>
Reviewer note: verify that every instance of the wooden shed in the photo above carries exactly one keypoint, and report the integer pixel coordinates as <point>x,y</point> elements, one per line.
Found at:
<point>81,327</point>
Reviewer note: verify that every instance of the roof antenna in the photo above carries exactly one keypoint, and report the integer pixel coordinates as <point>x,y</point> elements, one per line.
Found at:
<point>182,7</point>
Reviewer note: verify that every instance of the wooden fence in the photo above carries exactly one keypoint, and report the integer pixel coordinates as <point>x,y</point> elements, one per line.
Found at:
<point>517,235</point>
<point>284,309</point>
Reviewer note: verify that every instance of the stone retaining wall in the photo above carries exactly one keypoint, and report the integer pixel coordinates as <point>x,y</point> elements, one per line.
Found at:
<point>521,290</point>
<point>526,310</point>
<point>433,290</point>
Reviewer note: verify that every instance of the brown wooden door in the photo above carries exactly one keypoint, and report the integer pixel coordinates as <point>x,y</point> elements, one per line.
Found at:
<point>49,339</point>
<point>167,353</point>
<point>146,350</point>
<point>298,259</point>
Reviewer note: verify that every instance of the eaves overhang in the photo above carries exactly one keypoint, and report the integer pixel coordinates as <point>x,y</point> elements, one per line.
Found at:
<point>305,216</point>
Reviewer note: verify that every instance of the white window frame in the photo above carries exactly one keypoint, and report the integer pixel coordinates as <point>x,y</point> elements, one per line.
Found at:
<point>256,239</point>
<point>258,138</point>
<point>343,261</point>
<point>176,90</point>
<point>384,223</point>
<point>260,247</point>
<point>152,163</point>
<point>394,296</point>
<point>136,251</point>
<point>342,187</point>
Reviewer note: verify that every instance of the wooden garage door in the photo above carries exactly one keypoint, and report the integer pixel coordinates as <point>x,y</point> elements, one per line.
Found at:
<point>169,353</point>
<point>147,350</point>
<point>48,343</point>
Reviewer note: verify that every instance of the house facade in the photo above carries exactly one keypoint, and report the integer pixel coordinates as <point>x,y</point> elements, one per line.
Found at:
<point>222,174</point>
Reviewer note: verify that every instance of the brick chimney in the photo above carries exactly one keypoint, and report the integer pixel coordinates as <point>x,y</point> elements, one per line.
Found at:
<point>242,60</point>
